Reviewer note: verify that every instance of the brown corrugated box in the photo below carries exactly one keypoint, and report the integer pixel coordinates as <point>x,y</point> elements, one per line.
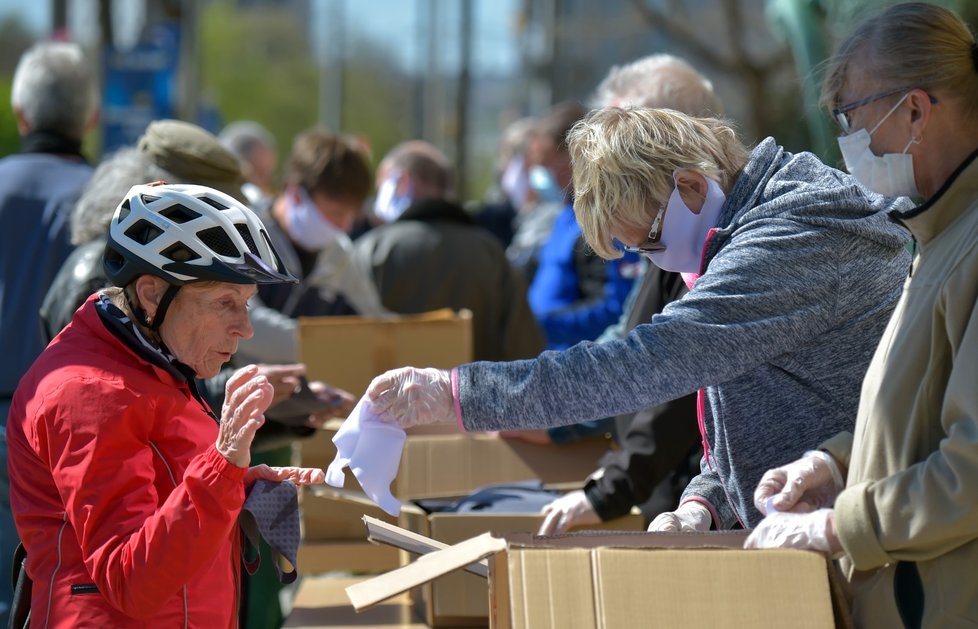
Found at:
<point>460,599</point>
<point>613,580</point>
<point>348,352</point>
<point>436,466</point>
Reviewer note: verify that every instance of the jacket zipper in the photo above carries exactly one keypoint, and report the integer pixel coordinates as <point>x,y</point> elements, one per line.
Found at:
<point>173,479</point>
<point>61,532</point>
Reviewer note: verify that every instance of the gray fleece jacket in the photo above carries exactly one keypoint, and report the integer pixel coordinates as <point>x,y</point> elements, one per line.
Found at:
<point>798,283</point>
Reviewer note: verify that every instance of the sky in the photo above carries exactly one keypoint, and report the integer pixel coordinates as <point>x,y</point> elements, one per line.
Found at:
<point>390,22</point>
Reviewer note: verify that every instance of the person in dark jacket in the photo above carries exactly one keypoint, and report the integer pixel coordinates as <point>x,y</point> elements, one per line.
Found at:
<point>432,255</point>
<point>55,101</point>
<point>652,465</point>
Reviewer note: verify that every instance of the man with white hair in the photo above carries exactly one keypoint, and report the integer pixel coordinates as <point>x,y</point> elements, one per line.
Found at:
<point>55,101</point>
<point>255,147</point>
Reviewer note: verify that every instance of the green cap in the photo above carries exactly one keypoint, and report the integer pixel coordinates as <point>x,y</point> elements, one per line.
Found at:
<point>194,155</point>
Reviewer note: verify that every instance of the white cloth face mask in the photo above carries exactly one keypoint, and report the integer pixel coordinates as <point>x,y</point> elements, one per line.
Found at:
<point>305,224</point>
<point>890,174</point>
<point>388,206</point>
<point>684,233</point>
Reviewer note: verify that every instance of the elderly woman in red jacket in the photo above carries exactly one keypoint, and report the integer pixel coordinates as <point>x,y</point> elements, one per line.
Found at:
<point>125,486</point>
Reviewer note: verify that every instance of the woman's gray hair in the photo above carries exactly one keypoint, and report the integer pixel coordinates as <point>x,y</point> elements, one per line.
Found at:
<point>108,186</point>
<point>54,89</point>
<point>912,45</point>
<point>624,160</point>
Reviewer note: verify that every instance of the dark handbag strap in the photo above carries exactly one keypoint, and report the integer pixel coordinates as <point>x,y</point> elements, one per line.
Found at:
<point>20,608</point>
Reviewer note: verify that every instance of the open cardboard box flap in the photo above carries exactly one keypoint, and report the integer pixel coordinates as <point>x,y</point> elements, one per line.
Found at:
<point>438,559</point>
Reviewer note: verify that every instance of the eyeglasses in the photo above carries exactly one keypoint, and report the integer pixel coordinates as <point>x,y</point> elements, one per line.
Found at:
<point>841,114</point>
<point>651,244</point>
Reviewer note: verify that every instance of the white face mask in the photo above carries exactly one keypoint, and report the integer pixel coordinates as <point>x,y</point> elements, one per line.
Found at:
<point>305,224</point>
<point>515,182</point>
<point>388,206</point>
<point>890,174</point>
<point>684,233</point>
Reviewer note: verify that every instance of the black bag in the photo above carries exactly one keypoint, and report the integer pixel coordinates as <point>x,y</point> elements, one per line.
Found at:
<point>20,609</point>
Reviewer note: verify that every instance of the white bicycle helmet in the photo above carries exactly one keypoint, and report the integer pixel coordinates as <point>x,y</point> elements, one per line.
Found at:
<point>186,233</point>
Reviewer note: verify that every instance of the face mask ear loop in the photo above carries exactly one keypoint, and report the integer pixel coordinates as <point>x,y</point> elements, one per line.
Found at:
<point>892,109</point>
<point>912,141</point>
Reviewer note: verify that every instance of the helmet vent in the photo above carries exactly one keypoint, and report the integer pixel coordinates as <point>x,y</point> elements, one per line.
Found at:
<point>278,261</point>
<point>213,203</point>
<point>143,232</point>
<point>179,213</point>
<point>217,241</point>
<point>124,210</point>
<point>246,235</point>
<point>178,252</point>
<point>148,198</point>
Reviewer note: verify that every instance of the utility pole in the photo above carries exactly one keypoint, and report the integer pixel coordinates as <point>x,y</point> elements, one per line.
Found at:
<point>189,68</point>
<point>332,65</point>
<point>462,100</point>
<point>433,82</point>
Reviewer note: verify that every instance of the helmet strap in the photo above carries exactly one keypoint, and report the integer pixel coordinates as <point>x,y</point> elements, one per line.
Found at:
<point>165,300</point>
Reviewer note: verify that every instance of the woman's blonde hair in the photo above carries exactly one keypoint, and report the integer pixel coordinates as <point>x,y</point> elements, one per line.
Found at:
<point>624,159</point>
<point>912,45</point>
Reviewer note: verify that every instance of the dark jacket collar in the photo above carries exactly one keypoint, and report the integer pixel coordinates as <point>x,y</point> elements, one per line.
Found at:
<point>52,144</point>
<point>956,196</point>
<point>431,210</point>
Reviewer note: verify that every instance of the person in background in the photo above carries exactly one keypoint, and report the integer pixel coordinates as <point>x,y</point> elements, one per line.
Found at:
<point>509,194</point>
<point>431,254</point>
<point>898,497</point>
<point>255,147</point>
<point>575,294</point>
<point>659,447</point>
<point>328,180</point>
<point>795,270</point>
<point>54,97</point>
<point>125,486</point>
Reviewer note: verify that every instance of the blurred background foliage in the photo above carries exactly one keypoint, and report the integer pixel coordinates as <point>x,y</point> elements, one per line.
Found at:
<point>429,73</point>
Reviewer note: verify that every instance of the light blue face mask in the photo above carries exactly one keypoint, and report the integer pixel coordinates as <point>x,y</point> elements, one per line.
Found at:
<point>544,185</point>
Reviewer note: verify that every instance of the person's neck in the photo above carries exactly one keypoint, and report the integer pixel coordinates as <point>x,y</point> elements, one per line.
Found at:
<point>948,149</point>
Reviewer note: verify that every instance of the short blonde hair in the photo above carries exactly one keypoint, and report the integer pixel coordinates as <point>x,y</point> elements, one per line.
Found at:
<point>913,45</point>
<point>624,159</point>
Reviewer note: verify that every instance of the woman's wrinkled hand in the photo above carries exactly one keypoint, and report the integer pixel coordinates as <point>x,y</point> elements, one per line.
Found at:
<point>298,475</point>
<point>247,395</point>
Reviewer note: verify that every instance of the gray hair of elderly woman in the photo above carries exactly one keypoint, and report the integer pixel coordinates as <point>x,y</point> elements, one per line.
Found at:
<point>110,182</point>
<point>54,89</point>
<point>911,45</point>
<point>659,80</point>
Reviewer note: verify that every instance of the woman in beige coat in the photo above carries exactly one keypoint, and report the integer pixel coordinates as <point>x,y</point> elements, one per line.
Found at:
<point>898,500</point>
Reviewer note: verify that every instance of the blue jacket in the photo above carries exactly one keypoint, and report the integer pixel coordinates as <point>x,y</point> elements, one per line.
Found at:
<point>575,295</point>
<point>37,193</point>
<point>799,282</point>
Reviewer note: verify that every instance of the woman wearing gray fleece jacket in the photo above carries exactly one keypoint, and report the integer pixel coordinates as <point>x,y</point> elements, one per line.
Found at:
<point>795,271</point>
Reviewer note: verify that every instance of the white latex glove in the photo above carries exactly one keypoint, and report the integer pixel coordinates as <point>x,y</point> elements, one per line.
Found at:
<point>691,516</point>
<point>812,482</point>
<point>411,397</point>
<point>806,531</point>
<point>571,509</point>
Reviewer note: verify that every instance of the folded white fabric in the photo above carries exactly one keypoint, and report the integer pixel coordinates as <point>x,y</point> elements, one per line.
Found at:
<point>372,449</point>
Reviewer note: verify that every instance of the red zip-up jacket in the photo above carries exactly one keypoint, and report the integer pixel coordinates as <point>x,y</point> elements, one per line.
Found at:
<point>126,509</point>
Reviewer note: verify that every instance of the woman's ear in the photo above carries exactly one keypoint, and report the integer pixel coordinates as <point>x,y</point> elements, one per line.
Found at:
<point>920,108</point>
<point>692,188</point>
<point>149,291</point>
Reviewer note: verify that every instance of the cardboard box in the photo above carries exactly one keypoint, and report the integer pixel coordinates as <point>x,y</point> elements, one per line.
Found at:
<point>436,466</point>
<point>461,599</point>
<point>622,580</point>
<point>348,352</point>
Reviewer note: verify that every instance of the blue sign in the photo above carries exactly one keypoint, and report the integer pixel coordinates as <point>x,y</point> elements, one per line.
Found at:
<point>140,86</point>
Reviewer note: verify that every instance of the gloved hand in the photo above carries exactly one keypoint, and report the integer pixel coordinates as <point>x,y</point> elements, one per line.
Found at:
<point>571,509</point>
<point>691,516</point>
<point>411,397</point>
<point>814,531</point>
<point>810,483</point>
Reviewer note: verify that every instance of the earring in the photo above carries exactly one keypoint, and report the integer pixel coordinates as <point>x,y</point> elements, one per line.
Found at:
<point>149,321</point>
